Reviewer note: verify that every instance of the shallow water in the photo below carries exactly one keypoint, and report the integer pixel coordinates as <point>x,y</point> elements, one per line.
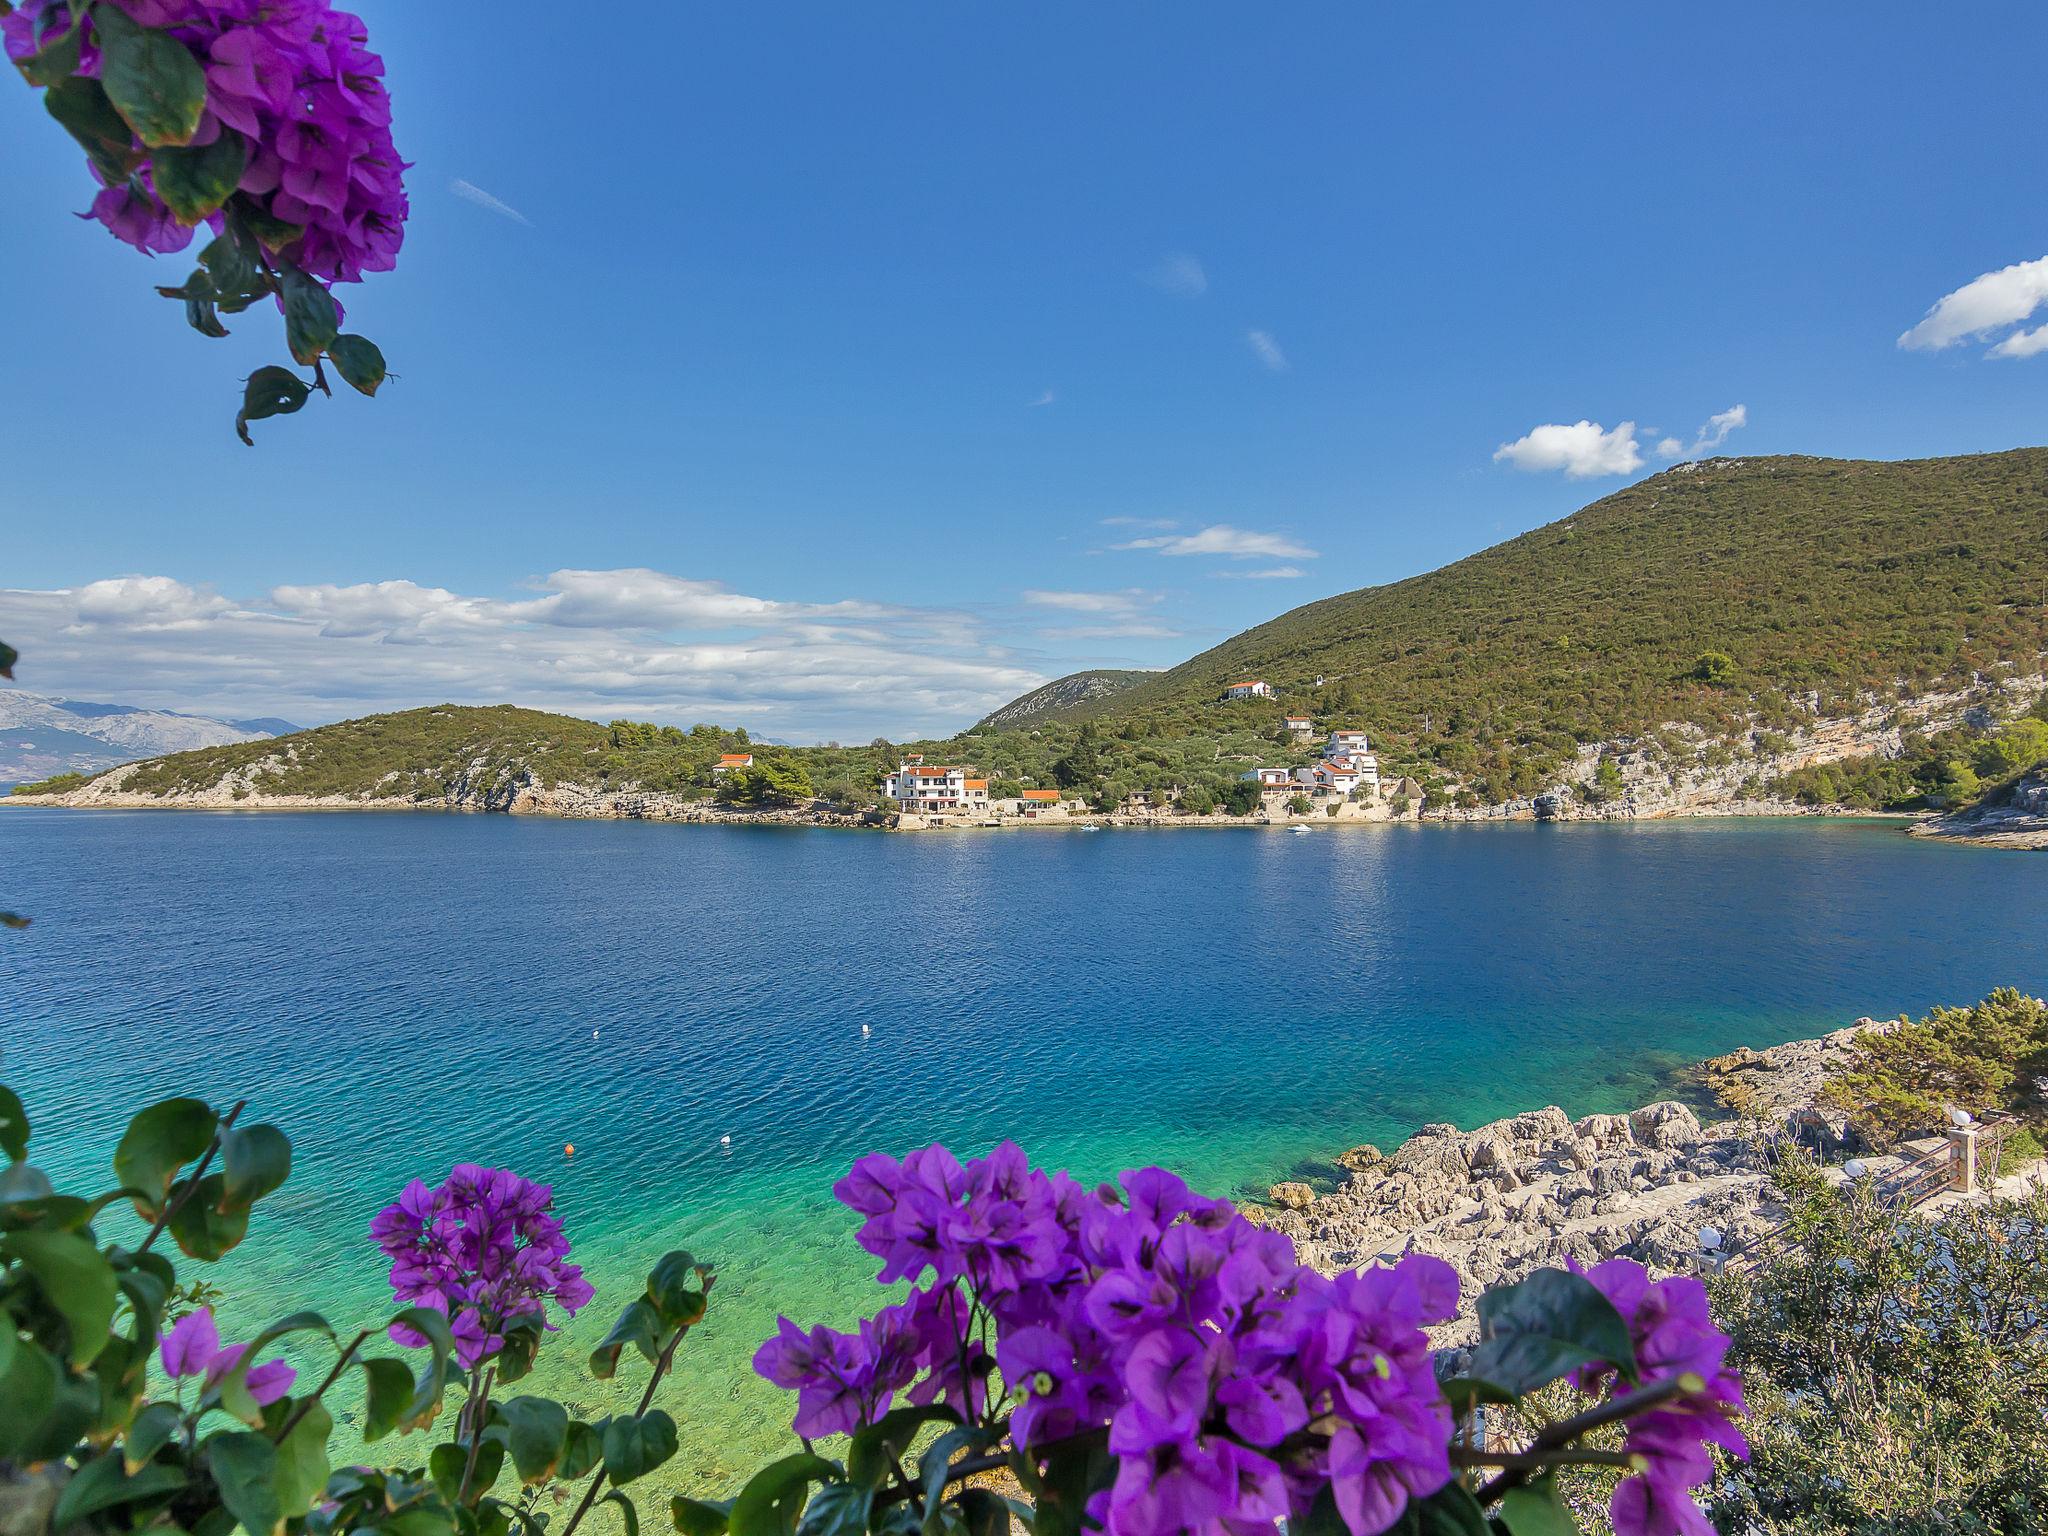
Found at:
<point>402,992</point>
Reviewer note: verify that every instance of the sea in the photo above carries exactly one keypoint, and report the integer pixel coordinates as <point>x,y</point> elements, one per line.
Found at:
<point>720,1019</point>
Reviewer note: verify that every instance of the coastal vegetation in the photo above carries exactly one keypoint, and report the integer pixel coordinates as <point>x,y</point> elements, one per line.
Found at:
<point>1706,614</point>
<point>1989,1058</point>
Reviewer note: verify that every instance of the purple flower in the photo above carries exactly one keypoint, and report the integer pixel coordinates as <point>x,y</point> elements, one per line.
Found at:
<point>1674,1337</point>
<point>482,1248</point>
<point>193,1348</point>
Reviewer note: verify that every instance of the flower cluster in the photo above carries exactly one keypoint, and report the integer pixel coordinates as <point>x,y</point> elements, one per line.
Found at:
<point>1235,1385</point>
<point>483,1249</point>
<point>1674,1338</point>
<point>193,1348</point>
<point>292,78</point>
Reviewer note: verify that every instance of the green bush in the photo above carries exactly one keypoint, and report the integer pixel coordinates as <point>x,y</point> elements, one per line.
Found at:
<point>1983,1059</point>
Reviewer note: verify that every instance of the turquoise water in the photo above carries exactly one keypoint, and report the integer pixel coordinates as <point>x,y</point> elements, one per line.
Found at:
<point>403,992</point>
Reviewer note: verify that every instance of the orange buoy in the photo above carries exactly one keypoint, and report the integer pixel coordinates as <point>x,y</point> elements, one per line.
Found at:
<point>569,1149</point>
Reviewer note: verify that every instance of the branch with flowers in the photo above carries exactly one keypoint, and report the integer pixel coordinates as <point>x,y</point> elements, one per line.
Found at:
<point>263,121</point>
<point>1133,1358</point>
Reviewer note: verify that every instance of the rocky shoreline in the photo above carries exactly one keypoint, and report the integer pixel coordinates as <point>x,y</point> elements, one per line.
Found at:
<point>1535,1189</point>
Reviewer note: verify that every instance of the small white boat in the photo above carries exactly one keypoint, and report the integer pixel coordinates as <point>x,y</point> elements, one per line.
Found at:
<point>1300,829</point>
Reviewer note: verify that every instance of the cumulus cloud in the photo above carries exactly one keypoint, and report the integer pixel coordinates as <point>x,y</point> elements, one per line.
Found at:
<point>1179,274</point>
<point>469,192</point>
<point>1709,437</point>
<point>1986,305</point>
<point>2022,344</point>
<point>1222,539</point>
<point>1582,450</point>
<point>1266,350</point>
<point>593,643</point>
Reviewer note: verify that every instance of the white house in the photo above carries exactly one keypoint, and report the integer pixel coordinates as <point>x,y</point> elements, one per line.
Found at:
<point>731,760</point>
<point>1270,778</point>
<point>1301,725</point>
<point>1336,776</point>
<point>917,787</point>
<point>1344,743</point>
<point>1255,688</point>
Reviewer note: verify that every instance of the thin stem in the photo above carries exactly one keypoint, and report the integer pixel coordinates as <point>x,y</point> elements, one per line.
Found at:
<point>476,1410</point>
<point>1531,1461</point>
<point>177,1203</point>
<point>1562,1433</point>
<point>306,1404</point>
<point>964,1468</point>
<point>661,1366</point>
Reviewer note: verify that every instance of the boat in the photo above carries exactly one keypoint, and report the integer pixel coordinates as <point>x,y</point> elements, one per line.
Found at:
<point>1298,829</point>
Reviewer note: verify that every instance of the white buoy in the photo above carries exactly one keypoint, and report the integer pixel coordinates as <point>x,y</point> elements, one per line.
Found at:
<point>725,1141</point>
<point>593,1034</point>
<point>864,1029</point>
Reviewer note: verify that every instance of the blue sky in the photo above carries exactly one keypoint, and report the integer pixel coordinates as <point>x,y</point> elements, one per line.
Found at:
<point>816,368</point>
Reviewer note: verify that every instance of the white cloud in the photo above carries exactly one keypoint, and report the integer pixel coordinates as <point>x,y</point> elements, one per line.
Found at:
<point>143,603</point>
<point>1127,631</point>
<point>1129,600</point>
<point>1222,539</point>
<point>1048,398</point>
<point>1581,450</point>
<point>1710,437</point>
<point>2022,344</point>
<point>592,643</point>
<point>1266,350</point>
<point>1274,573</point>
<point>1179,274</point>
<point>469,192</point>
<point>1984,305</point>
<point>1139,522</point>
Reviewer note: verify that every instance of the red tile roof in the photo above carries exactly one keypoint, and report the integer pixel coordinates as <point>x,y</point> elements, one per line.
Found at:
<point>1041,794</point>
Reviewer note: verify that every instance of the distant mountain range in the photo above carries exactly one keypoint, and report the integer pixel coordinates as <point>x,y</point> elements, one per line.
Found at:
<point>41,736</point>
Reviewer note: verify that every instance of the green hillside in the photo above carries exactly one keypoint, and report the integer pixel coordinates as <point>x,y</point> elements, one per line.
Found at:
<point>1062,698</point>
<point>1700,595</point>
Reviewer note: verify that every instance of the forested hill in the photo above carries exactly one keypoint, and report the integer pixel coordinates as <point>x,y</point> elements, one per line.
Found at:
<point>1702,594</point>
<point>1060,698</point>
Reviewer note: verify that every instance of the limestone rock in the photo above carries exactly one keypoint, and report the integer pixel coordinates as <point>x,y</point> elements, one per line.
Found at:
<point>1292,1194</point>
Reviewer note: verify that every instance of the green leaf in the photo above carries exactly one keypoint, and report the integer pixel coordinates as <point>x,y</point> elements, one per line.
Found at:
<point>875,1449</point>
<point>361,365</point>
<point>448,1462</point>
<point>837,1509</point>
<point>700,1517</point>
<point>985,1512</point>
<point>255,1159</point>
<point>1464,1393</point>
<point>937,1459</point>
<point>635,1446</point>
<point>82,107</point>
<point>272,233</point>
<point>196,182</point>
<point>774,1496</point>
<point>522,1344</point>
<point>199,296</point>
<point>629,1516</point>
<point>28,1388</point>
<point>302,1464</point>
<point>13,1125</point>
<point>233,1388</point>
<point>387,1389</point>
<point>312,320</point>
<point>102,1483</point>
<point>158,1142</point>
<point>269,391</point>
<point>56,58</point>
<point>433,1382</point>
<point>536,1433</point>
<point>1550,1323</point>
<point>76,1282</point>
<point>202,1227</point>
<point>1535,1509</point>
<point>231,265</point>
<point>639,1325</point>
<point>244,1466</point>
<point>1450,1511</point>
<point>581,1452</point>
<point>151,78</point>
<point>150,1433</point>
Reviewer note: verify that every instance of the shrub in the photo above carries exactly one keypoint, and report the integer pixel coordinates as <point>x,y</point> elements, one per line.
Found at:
<point>1982,1058</point>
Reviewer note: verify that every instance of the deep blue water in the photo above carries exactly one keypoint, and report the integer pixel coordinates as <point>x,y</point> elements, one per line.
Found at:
<point>404,991</point>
